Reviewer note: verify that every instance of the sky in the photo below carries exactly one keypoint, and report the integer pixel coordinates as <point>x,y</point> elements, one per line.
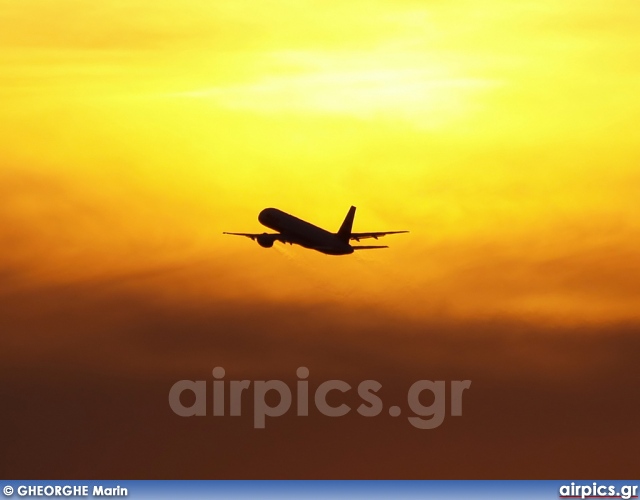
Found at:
<point>502,135</point>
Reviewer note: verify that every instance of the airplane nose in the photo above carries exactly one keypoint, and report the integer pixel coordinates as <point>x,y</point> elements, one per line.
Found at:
<point>265,216</point>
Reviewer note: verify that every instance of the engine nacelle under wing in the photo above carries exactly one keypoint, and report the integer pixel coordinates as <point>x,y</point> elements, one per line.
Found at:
<point>266,240</point>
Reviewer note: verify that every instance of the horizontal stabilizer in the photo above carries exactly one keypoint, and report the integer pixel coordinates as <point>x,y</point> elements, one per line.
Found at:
<point>375,235</point>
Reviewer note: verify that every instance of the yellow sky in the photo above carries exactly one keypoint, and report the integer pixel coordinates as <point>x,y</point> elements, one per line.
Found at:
<point>502,134</point>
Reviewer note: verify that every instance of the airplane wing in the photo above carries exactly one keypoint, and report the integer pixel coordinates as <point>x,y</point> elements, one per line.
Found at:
<point>253,236</point>
<point>375,235</point>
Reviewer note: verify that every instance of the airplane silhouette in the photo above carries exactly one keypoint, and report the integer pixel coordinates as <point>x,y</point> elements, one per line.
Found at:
<point>297,231</point>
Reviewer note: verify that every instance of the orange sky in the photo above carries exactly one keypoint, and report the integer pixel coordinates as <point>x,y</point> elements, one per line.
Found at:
<point>503,135</point>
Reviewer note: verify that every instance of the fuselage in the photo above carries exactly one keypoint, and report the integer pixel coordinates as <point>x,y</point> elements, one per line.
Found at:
<point>303,233</point>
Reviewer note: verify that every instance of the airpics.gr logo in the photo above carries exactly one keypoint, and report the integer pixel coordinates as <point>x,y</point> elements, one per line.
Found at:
<point>596,490</point>
<point>422,417</point>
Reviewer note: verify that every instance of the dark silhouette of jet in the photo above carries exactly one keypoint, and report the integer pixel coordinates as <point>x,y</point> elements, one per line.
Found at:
<point>297,231</point>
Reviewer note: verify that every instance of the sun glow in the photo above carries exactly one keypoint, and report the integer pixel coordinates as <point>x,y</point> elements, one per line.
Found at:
<point>502,134</point>
<point>353,85</point>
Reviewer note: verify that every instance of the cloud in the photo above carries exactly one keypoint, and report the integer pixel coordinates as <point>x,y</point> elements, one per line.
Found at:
<point>88,367</point>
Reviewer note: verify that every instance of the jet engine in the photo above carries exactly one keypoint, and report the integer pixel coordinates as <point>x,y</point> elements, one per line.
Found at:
<point>265,240</point>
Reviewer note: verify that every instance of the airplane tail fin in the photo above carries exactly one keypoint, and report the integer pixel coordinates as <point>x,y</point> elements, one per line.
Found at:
<point>344,233</point>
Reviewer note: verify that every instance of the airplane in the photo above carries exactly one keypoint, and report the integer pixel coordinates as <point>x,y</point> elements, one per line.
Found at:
<point>297,231</point>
